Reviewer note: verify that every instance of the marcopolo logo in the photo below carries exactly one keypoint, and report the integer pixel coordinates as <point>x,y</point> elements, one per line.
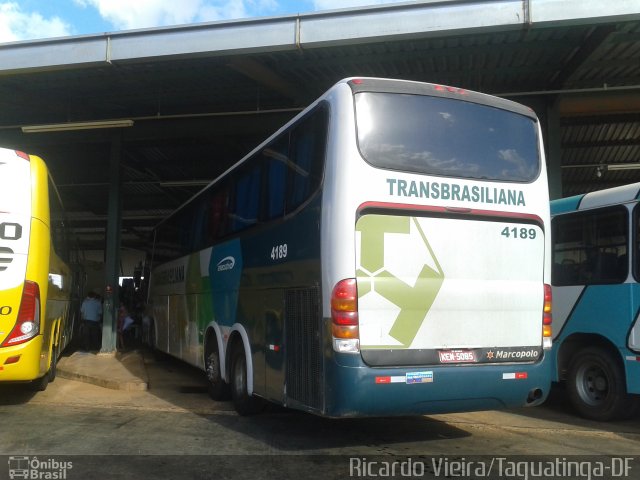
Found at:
<point>227,263</point>
<point>511,354</point>
<point>517,354</point>
<point>37,469</point>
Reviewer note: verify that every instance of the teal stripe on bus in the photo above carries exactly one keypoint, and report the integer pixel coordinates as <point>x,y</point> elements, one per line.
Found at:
<point>565,205</point>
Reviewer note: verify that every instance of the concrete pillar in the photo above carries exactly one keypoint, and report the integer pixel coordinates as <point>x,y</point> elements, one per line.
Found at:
<point>554,149</point>
<point>112,249</point>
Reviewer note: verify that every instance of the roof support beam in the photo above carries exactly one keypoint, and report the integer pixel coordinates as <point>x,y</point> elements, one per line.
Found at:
<point>299,32</point>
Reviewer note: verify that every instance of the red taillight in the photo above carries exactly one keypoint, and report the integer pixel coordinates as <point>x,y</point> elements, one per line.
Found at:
<point>23,155</point>
<point>445,88</point>
<point>28,322</point>
<point>547,319</point>
<point>344,309</point>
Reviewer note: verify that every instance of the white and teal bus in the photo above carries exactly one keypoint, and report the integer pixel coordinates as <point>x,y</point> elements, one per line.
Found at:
<point>383,253</point>
<point>596,268</point>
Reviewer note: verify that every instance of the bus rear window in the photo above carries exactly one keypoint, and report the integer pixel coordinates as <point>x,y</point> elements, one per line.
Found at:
<point>15,183</point>
<point>447,137</point>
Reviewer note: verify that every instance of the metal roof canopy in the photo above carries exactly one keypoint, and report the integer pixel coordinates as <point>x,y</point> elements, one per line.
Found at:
<point>201,96</point>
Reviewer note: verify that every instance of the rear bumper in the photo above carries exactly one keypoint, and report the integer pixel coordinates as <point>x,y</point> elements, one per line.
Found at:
<point>27,366</point>
<point>359,390</point>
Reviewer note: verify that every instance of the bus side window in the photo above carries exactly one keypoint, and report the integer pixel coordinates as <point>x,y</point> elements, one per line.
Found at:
<point>247,204</point>
<point>219,223</point>
<point>611,230</point>
<point>308,145</point>
<point>199,227</point>
<point>275,160</point>
<point>635,250</point>
<point>588,247</point>
<point>567,250</point>
<point>56,223</point>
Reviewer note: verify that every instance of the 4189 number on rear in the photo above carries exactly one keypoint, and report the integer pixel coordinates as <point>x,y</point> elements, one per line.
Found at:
<point>516,233</point>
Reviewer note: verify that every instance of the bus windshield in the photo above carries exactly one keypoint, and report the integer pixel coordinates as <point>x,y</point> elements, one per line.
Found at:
<point>447,137</point>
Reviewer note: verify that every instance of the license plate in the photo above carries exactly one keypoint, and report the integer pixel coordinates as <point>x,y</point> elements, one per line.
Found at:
<point>457,356</point>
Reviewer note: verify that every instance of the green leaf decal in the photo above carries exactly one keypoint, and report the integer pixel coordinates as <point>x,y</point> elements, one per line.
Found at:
<point>414,301</point>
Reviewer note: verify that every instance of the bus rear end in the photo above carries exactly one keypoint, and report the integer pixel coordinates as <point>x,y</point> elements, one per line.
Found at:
<point>434,230</point>
<point>20,309</point>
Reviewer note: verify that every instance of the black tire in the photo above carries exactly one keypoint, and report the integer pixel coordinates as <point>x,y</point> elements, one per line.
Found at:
<point>596,386</point>
<point>243,403</point>
<point>40,384</point>
<point>53,369</point>
<point>218,388</point>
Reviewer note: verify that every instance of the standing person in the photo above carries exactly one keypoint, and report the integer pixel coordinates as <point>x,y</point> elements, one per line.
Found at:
<point>125,327</point>
<point>91,312</point>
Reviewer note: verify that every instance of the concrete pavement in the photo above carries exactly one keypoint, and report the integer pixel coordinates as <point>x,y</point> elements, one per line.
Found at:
<point>173,386</point>
<point>117,371</point>
<point>175,416</point>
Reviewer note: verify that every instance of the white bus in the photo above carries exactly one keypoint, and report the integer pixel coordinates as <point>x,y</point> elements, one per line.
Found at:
<point>383,253</point>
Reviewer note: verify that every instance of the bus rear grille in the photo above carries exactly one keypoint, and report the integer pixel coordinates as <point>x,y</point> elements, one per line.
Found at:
<point>303,347</point>
<point>5,258</point>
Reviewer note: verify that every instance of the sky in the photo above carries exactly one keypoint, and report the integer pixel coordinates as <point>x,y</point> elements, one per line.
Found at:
<point>36,19</point>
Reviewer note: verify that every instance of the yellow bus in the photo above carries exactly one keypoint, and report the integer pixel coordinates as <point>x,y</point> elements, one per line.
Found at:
<point>35,282</point>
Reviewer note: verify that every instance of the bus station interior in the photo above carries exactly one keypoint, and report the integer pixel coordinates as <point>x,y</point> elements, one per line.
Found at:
<point>189,101</point>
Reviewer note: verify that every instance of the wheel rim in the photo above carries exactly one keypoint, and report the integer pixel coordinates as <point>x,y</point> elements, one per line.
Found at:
<point>239,376</point>
<point>593,383</point>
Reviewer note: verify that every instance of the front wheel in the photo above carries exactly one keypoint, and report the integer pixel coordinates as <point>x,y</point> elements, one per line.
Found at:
<point>596,386</point>
<point>244,403</point>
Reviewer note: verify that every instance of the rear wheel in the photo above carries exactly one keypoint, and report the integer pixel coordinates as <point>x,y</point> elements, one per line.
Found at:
<point>53,369</point>
<point>40,384</point>
<point>244,403</point>
<point>596,386</point>
<point>55,353</point>
<point>218,388</point>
